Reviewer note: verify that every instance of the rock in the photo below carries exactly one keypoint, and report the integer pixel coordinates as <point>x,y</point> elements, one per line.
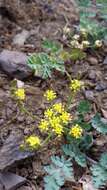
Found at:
<point>101,87</point>
<point>92,75</point>
<point>26,188</point>
<point>93,60</point>
<point>95,75</point>
<point>89,95</point>
<point>105,42</point>
<point>1,187</point>
<point>10,152</point>
<point>14,64</point>
<point>11,181</point>
<point>105,61</point>
<point>20,38</point>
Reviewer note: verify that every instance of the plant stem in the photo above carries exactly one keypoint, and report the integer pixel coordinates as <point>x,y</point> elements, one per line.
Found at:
<point>47,139</point>
<point>68,75</point>
<point>23,109</point>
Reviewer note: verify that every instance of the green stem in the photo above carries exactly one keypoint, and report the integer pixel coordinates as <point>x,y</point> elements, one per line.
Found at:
<point>68,75</point>
<point>47,139</point>
<point>23,109</point>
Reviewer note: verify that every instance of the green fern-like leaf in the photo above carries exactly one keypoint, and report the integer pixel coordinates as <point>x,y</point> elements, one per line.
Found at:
<point>51,46</point>
<point>43,64</point>
<point>99,172</point>
<point>77,54</point>
<point>98,124</point>
<point>58,172</point>
<point>84,107</point>
<point>74,152</point>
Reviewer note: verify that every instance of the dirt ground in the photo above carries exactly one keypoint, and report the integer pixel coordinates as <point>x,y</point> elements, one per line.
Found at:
<point>92,71</point>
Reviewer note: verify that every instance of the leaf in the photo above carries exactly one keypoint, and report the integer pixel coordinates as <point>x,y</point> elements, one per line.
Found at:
<point>99,172</point>
<point>58,172</point>
<point>84,107</point>
<point>43,64</point>
<point>50,183</point>
<point>73,151</point>
<point>98,124</point>
<point>86,142</point>
<point>77,54</point>
<point>64,55</point>
<point>103,160</point>
<point>51,46</point>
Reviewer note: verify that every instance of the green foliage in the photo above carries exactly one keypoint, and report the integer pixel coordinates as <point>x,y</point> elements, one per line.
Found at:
<point>99,172</point>
<point>43,64</point>
<point>86,142</point>
<point>77,54</point>
<point>74,152</point>
<point>84,107</point>
<point>51,46</point>
<point>96,30</point>
<point>58,172</point>
<point>98,124</point>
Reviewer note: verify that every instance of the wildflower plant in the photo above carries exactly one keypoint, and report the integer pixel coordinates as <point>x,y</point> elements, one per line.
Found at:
<point>59,122</point>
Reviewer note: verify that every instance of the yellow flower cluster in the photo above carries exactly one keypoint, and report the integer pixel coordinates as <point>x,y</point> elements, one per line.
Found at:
<point>54,119</point>
<point>76,131</point>
<point>20,93</point>
<point>50,95</point>
<point>75,85</point>
<point>33,142</point>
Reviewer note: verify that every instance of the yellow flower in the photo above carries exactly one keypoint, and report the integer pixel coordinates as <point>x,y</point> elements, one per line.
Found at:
<point>33,141</point>
<point>44,125</point>
<point>58,107</point>
<point>98,43</point>
<point>20,93</point>
<point>50,95</point>
<point>55,121</point>
<point>76,131</point>
<point>75,85</point>
<point>65,117</point>
<point>48,113</point>
<point>58,130</point>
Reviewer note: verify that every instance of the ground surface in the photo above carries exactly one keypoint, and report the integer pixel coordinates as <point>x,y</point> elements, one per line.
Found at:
<point>92,71</point>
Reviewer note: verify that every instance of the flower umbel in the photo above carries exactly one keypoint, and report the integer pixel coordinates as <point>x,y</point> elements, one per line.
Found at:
<point>48,113</point>
<point>65,117</point>
<point>20,93</point>
<point>33,142</point>
<point>75,85</point>
<point>76,131</point>
<point>58,107</point>
<point>44,125</point>
<point>50,95</point>
<point>58,129</point>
